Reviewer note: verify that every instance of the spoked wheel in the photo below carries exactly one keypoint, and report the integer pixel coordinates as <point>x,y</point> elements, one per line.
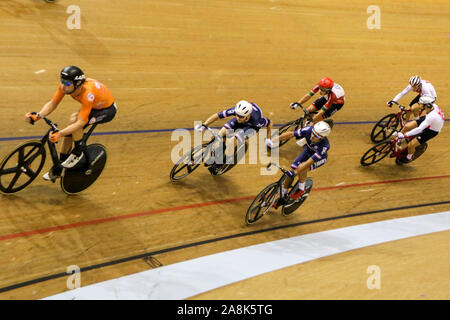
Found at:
<point>262,203</point>
<point>284,128</point>
<point>22,166</point>
<point>293,205</point>
<point>376,153</point>
<point>384,128</point>
<point>188,163</point>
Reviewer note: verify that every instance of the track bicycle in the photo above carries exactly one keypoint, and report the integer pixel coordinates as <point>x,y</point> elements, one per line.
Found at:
<point>265,200</point>
<point>19,168</point>
<point>392,148</point>
<point>206,154</point>
<point>389,124</point>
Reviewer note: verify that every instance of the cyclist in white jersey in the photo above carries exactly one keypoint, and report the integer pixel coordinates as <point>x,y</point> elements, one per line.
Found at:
<point>422,87</point>
<point>424,128</point>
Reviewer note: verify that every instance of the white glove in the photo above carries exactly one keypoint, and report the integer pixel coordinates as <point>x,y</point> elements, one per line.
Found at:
<point>400,135</point>
<point>199,128</point>
<point>301,142</point>
<point>269,142</point>
<point>294,105</point>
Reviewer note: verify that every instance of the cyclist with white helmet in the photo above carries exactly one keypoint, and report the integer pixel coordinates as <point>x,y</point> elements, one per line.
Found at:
<point>422,87</point>
<point>331,101</point>
<point>247,116</point>
<point>426,127</point>
<point>314,155</point>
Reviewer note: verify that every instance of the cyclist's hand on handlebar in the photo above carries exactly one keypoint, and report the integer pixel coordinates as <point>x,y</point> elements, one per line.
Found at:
<point>54,136</point>
<point>294,105</point>
<point>32,117</point>
<point>200,127</point>
<point>400,135</point>
<point>390,103</point>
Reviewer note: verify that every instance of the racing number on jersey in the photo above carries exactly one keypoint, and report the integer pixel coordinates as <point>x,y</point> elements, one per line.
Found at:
<point>100,86</point>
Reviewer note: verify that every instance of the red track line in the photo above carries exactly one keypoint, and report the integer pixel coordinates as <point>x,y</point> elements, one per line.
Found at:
<point>195,205</point>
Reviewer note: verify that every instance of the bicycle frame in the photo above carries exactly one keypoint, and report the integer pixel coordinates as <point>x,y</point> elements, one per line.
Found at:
<point>401,115</point>
<point>52,148</point>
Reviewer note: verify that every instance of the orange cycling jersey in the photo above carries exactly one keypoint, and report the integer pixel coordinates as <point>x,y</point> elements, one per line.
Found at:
<point>93,95</point>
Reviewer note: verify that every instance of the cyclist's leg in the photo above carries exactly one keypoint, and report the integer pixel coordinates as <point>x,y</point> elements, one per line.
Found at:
<point>66,146</point>
<point>315,108</point>
<point>412,124</point>
<point>95,117</point>
<point>423,137</point>
<point>325,114</point>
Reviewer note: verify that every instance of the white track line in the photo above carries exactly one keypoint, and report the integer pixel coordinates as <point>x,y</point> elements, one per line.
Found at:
<point>189,278</point>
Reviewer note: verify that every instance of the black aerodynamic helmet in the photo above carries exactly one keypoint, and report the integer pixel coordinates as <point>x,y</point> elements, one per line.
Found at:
<point>74,75</point>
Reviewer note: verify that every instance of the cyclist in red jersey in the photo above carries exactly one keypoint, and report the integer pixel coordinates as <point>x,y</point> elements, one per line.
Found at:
<point>332,99</point>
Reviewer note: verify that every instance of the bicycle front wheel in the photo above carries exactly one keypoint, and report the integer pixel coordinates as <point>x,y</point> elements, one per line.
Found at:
<point>384,128</point>
<point>22,166</point>
<point>262,203</point>
<point>188,163</point>
<point>376,153</point>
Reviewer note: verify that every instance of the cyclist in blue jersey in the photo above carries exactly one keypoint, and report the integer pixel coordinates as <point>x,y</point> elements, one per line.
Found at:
<point>247,116</point>
<point>314,155</point>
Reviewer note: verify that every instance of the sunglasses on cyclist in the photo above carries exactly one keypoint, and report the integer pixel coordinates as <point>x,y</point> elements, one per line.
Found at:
<point>66,82</point>
<point>240,117</point>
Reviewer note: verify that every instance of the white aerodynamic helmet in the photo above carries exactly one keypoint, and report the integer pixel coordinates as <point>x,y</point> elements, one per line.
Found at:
<point>427,100</point>
<point>322,129</point>
<point>415,81</point>
<point>243,108</point>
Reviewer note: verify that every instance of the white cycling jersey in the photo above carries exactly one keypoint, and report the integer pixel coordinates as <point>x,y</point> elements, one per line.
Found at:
<point>434,120</point>
<point>427,89</point>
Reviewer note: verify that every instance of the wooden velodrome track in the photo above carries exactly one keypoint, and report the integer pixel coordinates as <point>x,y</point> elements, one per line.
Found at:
<point>171,62</point>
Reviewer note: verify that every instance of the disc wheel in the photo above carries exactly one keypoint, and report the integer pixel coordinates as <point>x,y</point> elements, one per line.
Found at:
<point>238,155</point>
<point>188,163</point>
<point>376,153</point>
<point>22,166</point>
<point>384,128</point>
<point>262,203</point>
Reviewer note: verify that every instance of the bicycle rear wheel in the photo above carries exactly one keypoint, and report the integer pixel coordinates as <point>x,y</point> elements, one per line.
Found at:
<point>188,163</point>
<point>22,166</point>
<point>262,203</point>
<point>376,153</point>
<point>384,128</point>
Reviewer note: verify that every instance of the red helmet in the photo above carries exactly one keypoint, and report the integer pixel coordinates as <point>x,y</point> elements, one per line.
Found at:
<point>326,83</point>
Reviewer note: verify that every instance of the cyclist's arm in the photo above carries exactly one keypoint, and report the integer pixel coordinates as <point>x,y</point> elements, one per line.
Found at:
<point>269,128</point>
<point>48,108</point>
<point>306,97</point>
<point>425,124</point>
<point>401,94</point>
<point>211,119</point>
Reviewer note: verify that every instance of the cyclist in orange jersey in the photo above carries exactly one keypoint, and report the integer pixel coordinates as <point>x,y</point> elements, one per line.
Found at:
<point>97,106</point>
